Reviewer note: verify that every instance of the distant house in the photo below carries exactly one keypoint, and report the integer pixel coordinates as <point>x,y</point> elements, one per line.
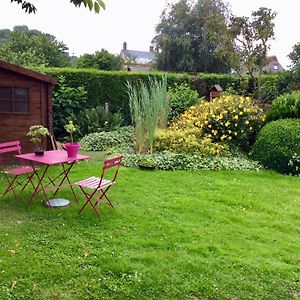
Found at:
<point>273,66</point>
<point>138,60</point>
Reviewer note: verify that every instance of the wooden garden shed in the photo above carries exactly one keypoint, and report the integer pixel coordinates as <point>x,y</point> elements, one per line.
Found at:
<point>25,100</point>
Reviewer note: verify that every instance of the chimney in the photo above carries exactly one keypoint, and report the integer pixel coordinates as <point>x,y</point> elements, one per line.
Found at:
<point>151,48</point>
<point>124,46</point>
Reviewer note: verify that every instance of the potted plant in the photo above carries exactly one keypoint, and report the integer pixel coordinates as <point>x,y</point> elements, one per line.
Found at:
<point>72,147</point>
<point>38,135</point>
<point>146,162</point>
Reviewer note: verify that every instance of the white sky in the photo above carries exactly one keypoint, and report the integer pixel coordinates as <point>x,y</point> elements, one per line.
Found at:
<point>134,21</point>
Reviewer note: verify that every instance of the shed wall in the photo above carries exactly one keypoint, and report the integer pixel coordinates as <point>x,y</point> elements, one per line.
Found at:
<point>14,126</point>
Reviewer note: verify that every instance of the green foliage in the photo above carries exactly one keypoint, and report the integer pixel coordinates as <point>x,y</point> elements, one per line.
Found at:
<point>97,119</point>
<point>94,5</point>
<point>285,106</point>
<point>278,146</point>
<point>182,39</point>
<point>192,162</point>
<point>149,111</point>
<point>71,128</point>
<point>244,42</point>
<point>101,60</point>
<point>32,48</point>
<point>100,84</point>
<point>38,134</point>
<point>104,141</point>
<point>294,56</point>
<point>68,102</point>
<point>181,97</point>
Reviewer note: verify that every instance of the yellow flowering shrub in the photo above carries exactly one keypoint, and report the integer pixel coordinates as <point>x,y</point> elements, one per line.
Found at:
<point>226,119</point>
<point>186,141</point>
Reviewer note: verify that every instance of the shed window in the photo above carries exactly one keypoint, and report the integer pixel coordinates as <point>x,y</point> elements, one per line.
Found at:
<point>14,99</point>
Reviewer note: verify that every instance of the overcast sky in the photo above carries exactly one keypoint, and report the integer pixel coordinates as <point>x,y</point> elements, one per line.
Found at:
<point>134,21</point>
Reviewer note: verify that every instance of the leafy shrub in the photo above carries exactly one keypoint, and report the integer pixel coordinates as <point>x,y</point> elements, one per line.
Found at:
<point>193,162</point>
<point>96,119</point>
<point>67,104</point>
<point>181,97</point>
<point>270,88</point>
<point>185,141</point>
<point>228,119</point>
<point>103,141</point>
<point>285,106</point>
<point>278,146</point>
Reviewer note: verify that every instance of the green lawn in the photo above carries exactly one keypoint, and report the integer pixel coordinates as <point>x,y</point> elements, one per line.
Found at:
<point>172,235</point>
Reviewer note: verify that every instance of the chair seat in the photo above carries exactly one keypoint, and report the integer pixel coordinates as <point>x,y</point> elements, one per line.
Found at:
<point>93,183</point>
<point>20,170</point>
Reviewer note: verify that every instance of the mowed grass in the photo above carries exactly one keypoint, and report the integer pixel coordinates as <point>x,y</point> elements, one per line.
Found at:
<point>171,235</point>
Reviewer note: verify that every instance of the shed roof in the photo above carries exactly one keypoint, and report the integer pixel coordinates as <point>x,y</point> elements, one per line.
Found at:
<point>26,72</point>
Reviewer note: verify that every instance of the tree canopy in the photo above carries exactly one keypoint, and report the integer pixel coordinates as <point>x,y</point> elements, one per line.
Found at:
<point>294,56</point>
<point>182,40</point>
<point>91,4</point>
<point>243,42</point>
<point>26,47</point>
<point>102,60</point>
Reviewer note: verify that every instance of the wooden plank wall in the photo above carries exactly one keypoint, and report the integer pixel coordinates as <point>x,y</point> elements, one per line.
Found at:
<point>14,126</point>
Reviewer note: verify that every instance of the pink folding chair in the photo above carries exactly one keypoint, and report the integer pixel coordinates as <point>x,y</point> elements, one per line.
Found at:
<point>99,185</point>
<point>12,174</point>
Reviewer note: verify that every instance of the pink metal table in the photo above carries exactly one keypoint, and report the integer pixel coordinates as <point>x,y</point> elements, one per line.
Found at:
<point>50,158</point>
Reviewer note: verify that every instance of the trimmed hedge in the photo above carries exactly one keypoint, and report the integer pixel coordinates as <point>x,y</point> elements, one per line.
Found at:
<point>110,86</point>
<point>277,146</point>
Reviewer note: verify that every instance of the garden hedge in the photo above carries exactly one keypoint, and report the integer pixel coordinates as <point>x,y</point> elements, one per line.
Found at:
<point>110,86</point>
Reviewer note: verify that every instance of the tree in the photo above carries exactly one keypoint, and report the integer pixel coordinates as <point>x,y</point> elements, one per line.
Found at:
<point>91,4</point>
<point>32,48</point>
<point>294,56</point>
<point>244,43</point>
<point>181,37</point>
<point>102,60</point>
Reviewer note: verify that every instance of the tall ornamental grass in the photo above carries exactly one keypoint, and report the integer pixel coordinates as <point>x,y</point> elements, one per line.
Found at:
<point>149,109</point>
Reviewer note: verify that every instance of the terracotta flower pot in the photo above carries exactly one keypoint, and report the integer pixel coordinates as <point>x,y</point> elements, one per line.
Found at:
<point>72,149</point>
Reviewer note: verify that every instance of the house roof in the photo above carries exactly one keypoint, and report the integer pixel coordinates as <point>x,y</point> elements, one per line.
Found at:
<point>273,65</point>
<point>144,55</point>
<point>26,72</point>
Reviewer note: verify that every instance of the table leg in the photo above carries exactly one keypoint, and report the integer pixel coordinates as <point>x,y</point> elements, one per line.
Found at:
<point>40,184</point>
<point>66,172</point>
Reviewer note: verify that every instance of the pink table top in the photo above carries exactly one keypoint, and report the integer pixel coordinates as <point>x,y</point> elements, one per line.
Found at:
<point>52,157</point>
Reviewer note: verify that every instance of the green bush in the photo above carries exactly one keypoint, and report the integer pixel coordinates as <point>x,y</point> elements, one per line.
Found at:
<point>227,119</point>
<point>181,97</point>
<point>96,119</point>
<point>68,102</point>
<point>277,146</point>
<point>193,162</point>
<point>185,141</point>
<point>285,106</point>
<point>103,141</point>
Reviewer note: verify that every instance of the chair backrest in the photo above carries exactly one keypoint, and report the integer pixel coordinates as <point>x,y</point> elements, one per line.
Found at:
<point>9,147</point>
<point>13,146</point>
<point>110,163</point>
<point>55,144</point>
